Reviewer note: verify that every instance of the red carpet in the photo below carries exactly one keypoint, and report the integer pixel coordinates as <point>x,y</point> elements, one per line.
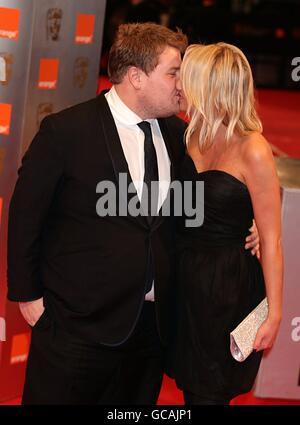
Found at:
<point>280,114</point>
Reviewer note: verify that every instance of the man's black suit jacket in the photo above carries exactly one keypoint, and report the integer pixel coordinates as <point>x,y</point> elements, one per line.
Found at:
<point>91,270</point>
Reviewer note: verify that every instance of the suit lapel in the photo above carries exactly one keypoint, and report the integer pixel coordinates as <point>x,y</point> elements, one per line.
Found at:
<point>111,137</point>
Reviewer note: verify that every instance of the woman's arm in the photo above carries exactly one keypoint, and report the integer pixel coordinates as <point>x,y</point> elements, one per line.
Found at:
<point>262,182</point>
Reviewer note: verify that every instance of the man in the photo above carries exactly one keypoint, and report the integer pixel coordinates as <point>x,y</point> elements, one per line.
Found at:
<point>85,282</point>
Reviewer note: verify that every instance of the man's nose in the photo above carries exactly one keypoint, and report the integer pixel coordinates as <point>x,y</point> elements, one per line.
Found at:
<point>178,84</point>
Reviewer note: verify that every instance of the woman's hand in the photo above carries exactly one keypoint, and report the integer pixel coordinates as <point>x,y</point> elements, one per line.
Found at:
<point>266,334</point>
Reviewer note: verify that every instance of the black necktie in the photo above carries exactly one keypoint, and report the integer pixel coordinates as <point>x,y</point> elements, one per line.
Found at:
<point>151,170</point>
<point>151,175</point>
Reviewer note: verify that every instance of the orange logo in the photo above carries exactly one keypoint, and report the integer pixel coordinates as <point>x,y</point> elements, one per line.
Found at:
<point>5,115</point>
<point>48,74</point>
<point>9,23</point>
<point>20,348</point>
<point>85,29</point>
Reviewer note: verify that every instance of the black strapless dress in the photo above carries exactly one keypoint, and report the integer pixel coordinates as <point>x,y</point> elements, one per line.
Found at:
<point>219,283</point>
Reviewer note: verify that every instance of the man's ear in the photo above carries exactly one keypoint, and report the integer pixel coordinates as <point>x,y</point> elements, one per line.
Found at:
<point>135,76</point>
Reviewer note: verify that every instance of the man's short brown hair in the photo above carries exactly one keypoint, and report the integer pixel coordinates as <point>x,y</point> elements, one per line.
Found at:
<point>140,45</point>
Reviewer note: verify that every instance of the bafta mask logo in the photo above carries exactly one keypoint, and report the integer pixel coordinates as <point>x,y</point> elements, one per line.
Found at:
<point>9,23</point>
<point>2,156</point>
<point>43,110</point>
<point>5,116</point>
<point>54,18</point>
<point>81,70</point>
<point>8,65</point>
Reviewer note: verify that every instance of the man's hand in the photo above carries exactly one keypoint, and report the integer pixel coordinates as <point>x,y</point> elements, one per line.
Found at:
<point>32,310</point>
<point>252,241</point>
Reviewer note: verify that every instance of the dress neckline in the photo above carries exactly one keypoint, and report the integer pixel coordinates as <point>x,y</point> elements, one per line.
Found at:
<point>216,171</point>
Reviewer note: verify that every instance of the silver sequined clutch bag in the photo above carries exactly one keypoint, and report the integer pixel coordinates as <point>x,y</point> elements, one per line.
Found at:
<point>243,336</point>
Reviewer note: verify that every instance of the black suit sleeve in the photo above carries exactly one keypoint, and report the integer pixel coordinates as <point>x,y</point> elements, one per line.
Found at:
<point>39,175</point>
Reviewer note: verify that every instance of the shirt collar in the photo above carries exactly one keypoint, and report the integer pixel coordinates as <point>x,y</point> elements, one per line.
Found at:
<point>120,111</point>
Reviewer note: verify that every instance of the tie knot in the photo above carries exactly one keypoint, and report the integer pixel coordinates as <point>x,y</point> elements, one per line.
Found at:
<point>145,127</point>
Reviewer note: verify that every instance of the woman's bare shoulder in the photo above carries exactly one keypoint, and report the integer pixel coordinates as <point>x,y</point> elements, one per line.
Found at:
<point>256,148</point>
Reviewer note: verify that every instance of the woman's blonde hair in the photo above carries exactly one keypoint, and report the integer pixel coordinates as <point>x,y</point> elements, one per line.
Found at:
<point>218,85</point>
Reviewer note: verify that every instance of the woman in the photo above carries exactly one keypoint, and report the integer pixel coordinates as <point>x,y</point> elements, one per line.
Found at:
<point>219,281</point>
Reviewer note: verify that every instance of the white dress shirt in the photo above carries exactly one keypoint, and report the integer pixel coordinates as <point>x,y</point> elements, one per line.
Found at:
<point>132,141</point>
